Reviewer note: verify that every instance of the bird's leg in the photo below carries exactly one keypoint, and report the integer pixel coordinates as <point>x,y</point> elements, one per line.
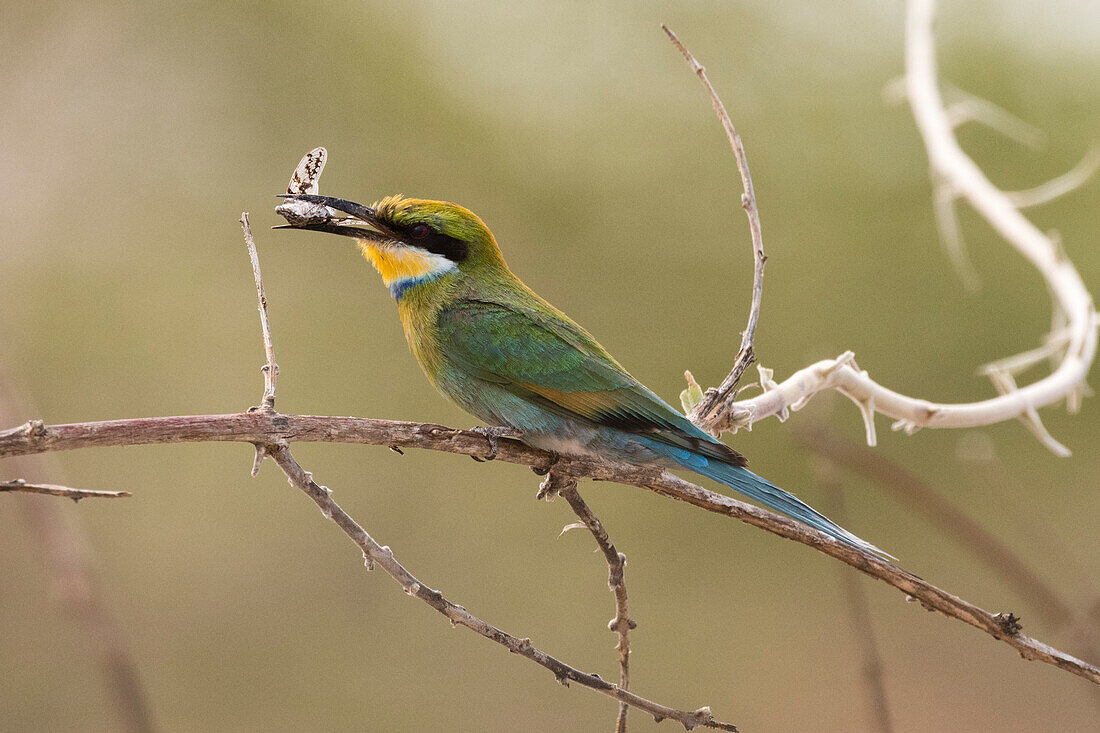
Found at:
<point>493,435</point>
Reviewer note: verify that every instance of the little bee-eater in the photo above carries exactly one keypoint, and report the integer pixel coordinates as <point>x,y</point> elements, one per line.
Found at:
<point>505,355</point>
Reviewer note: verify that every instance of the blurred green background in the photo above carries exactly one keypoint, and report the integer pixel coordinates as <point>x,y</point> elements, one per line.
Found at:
<point>134,134</point>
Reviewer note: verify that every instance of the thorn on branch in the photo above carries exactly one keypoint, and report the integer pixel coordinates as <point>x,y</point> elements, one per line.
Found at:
<point>571,527</point>
<point>944,200</point>
<point>261,452</point>
<point>1005,383</point>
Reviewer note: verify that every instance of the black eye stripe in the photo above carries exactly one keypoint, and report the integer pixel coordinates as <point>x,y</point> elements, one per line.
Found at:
<point>426,237</point>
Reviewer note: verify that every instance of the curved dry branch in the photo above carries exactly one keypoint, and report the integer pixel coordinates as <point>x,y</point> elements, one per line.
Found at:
<point>953,169</point>
<point>271,428</point>
<point>711,400</point>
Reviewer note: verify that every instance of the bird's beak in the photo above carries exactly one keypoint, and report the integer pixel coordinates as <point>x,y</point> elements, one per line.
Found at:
<point>361,222</point>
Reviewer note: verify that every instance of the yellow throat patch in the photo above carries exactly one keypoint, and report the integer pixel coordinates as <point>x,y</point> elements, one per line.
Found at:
<point>396,263</point>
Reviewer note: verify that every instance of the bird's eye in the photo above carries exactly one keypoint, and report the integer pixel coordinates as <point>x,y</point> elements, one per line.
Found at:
<point>420,231</point>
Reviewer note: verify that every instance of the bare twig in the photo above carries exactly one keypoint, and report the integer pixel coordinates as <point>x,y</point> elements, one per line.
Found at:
<point>276,428</point>
<point>702,413</point>
<point>25,487</point>
<point>963,107</point>
<point>270,369</point>
<point>621,624</point>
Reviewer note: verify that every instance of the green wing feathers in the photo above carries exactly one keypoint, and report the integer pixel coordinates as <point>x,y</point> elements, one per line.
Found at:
<point>543,357</point>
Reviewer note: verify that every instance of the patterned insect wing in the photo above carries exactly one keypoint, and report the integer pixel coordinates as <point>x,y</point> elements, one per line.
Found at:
<point>308,172</point>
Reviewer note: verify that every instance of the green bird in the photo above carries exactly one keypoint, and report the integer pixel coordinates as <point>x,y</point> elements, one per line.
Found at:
<point>505,355</point>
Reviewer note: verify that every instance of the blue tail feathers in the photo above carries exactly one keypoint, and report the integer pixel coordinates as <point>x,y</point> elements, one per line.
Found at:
<point>761,490</point>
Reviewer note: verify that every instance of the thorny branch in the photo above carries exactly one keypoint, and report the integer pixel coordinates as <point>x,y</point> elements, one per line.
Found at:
<point>954,172</point>
<point>378,555</point>
<point>616,565</point>
<point>703,412</point>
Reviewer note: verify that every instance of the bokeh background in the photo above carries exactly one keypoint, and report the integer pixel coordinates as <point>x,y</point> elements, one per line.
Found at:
<point>132,135</point>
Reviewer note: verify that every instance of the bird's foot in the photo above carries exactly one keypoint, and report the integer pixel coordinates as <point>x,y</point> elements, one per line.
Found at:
<point>493,435</point>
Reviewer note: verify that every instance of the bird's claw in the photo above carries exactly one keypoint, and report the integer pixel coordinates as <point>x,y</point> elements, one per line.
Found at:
<point>493,435</point>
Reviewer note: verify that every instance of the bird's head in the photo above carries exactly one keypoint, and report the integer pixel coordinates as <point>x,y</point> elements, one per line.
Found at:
<point>411,241</point>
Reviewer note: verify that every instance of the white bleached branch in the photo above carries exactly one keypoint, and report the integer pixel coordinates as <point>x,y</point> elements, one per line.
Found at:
<point>1055,188</point>
<point>1074,340</point>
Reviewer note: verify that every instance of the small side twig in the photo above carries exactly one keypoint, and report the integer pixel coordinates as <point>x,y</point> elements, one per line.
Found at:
<point>622,624</point>
<point>25,487</point>
<point>702,413</point>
